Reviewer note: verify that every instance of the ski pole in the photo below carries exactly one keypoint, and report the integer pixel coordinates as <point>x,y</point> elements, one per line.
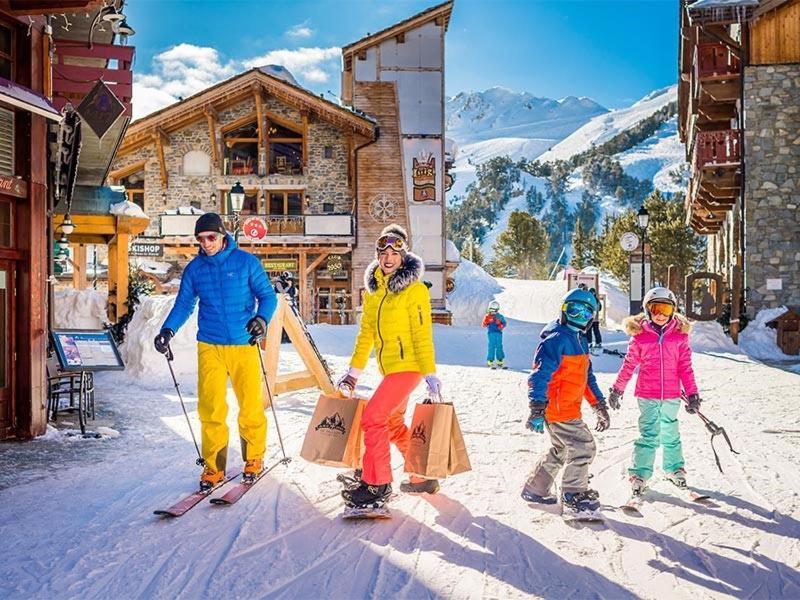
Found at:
<point>715,431</point>
<point>286,459</point>
<point>169,356</point>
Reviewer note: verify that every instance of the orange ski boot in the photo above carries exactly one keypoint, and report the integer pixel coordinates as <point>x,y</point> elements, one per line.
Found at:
<point>210,478</point>
<point>252,469</point>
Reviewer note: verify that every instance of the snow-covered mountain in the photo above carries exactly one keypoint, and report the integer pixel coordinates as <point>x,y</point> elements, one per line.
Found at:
<point>501,113</point>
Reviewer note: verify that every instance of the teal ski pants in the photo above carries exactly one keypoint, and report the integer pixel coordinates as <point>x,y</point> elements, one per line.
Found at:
<point>495,347</point>
<point>658,426</point>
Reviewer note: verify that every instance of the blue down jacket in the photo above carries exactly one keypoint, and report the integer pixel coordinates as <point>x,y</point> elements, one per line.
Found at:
<point>228,285</point>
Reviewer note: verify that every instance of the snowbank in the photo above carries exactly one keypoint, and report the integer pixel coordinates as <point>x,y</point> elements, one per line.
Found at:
<point>80,309</point>
<point>451,252</point>
<point>127,208</point>
<point>761,342</point>
<point>531,300</point>
<point>708,336</point>
<point>475,288</point>
<point>142,362</point>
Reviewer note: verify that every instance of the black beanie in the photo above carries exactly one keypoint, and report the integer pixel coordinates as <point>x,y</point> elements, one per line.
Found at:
<point>209,222</point>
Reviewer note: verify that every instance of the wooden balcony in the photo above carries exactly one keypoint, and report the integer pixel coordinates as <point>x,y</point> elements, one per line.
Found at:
<point>77,68</point>
<point>716,73</point>
<point>717,149</point>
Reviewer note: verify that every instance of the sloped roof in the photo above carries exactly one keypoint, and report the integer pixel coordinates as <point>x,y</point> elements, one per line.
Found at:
<point>440,10</point>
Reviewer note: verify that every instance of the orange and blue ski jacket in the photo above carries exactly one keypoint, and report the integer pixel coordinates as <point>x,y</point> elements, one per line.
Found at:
<point>562,374</point>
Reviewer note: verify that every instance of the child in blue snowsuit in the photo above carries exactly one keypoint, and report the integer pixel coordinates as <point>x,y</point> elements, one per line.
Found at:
<point>495,323</point>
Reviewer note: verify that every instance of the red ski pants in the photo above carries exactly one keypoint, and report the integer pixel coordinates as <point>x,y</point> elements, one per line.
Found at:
<point>383,423</point>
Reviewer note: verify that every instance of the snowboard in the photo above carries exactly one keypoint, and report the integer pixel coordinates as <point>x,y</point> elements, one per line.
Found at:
<point>355,513</point>
<point>582,516</point>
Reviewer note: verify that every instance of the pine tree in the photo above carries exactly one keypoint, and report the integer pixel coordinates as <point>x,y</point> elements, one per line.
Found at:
<point>519,251</point>
<point>580,248</point>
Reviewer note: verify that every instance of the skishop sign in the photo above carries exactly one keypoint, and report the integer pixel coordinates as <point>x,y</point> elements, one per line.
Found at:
<point>151,247</point>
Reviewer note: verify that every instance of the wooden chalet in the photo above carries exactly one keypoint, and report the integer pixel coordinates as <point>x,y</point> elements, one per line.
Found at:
<point>293,152</point>
<point>733,54</point>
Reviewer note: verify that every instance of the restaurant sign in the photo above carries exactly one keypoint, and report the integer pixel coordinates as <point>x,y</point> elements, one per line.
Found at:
<point>13,186</point>
<point>280,264</point>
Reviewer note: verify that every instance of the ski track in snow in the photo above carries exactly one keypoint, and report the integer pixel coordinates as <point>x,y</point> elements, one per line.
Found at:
<point>79,523</point>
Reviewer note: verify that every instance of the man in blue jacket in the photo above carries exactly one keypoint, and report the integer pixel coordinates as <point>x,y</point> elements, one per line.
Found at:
<point>236,303</point>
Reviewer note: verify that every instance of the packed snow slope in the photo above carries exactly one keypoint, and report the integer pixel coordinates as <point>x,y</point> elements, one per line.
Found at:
<point>76,515</point>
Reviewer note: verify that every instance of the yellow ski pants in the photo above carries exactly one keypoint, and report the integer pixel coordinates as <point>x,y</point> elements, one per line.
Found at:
<point>215,363</point>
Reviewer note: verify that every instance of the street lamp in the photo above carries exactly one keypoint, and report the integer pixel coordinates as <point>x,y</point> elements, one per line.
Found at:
<point>237,202</point>
<point>644,220</point>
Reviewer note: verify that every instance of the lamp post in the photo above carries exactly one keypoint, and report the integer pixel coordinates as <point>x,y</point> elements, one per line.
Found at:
<point>644,220</point>
<point>237,202</point>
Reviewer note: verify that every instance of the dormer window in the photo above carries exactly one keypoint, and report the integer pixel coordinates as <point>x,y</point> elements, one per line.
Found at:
<point>241,150</point>
<point>285,149</point>
<point>134,187</point>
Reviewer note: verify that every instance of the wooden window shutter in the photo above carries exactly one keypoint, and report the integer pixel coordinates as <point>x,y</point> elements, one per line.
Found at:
<point>6,142</point>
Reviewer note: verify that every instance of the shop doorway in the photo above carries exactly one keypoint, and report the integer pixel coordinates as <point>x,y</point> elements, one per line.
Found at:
<point>6,347</point>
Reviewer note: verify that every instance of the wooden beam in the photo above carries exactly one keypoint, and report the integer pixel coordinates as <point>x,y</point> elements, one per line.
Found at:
<point>256,87</point>
<point>78,266</point>
<point>123,172</point>
<point>317,262</point>
<point>304,295</point>
<point>212,118</point>
<point>158,137</point>
<point>272,342</point>
<point>240,122</point>
<point>304,116</point>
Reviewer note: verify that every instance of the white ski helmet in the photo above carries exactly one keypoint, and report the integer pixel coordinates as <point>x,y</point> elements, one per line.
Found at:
<point>660,294</point>
<point>494,306</point>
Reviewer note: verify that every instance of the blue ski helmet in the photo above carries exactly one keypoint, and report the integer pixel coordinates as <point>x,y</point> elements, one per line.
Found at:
<point>578,308</point>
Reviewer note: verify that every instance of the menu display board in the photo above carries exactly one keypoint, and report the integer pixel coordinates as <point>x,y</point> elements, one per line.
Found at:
<point>87,350</point>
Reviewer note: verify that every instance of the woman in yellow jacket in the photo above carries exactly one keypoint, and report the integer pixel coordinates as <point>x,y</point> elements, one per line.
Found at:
<point>396,321</point>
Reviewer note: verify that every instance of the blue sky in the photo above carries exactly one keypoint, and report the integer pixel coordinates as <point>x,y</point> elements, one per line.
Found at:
<point>614,51</point>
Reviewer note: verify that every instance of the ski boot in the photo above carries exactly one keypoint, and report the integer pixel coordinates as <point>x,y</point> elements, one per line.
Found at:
<point>582,502</point>
<point>368,496</point>
<point>210,478</point>
<point>638,485</point>
<point>490,364</point>
<point>252,469</point>
<point>677,477</point>
<point>530,496</point>
<point>426,486</point>
<point>501,364</point>
<point>351,480</point>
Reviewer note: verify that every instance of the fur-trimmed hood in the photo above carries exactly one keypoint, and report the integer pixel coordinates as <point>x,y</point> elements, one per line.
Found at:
<point>634,325</point>
<point>410,271</point>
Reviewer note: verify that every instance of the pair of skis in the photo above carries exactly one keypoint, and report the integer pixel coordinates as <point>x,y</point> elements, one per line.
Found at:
<point>634,503</point>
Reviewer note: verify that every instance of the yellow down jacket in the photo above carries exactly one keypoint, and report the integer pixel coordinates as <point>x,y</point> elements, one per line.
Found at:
<point>396,320</point>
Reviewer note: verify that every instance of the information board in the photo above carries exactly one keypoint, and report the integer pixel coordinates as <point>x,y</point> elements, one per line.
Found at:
<point>87,350</point>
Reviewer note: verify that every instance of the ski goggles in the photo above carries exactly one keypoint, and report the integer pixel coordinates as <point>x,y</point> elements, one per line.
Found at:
<point>578,312</point>
<point>207,237</point>
<point>391,241</point>
<point>660,308</point>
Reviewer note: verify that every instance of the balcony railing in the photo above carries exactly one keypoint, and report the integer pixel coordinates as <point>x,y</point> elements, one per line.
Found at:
<point>276,225</point>
<point>77,68</point>
<point>717,148</point>
<point>715,61</point>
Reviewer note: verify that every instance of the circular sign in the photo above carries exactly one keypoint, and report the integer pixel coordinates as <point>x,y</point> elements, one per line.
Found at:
<point>383,208</point>
<point>254,229</point>
<point>449,285</point>
<point>629,241</point>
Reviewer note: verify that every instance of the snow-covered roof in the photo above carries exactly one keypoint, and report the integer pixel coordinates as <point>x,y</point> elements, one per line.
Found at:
<point>709,4</point>
<point>280,72</point>
<point>128,209</point>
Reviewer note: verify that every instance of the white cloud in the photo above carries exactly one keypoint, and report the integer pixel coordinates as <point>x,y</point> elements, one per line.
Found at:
<point>185,69</point>
<point>301,31</point>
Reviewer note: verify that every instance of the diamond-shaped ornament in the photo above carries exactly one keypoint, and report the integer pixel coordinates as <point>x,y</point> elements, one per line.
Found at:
<point>100,109</point>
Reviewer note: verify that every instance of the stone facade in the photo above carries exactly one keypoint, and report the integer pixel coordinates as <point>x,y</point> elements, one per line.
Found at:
<point>772,185</point>
<point>325,180</point>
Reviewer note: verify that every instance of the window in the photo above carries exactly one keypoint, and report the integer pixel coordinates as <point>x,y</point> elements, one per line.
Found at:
<point>285,203</point>
<point>285,150</point>
<point>134,187</point>
<point>6,52</point>
<point>241,150</point>
<point>196,162</point>
<point>328,151</point>
<point>6,142</point>
<point>250,206</point>
<point>327,207</point>
<point>5,225</point>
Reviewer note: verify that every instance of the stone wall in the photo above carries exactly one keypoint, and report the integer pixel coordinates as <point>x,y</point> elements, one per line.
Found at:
<point>772,184</point>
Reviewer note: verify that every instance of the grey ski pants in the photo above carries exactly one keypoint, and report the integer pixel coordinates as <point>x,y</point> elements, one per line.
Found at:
<point>574,449</point>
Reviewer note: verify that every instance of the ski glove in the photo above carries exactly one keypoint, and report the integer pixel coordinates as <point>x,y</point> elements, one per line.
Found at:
<point>693,403</point>
<point>536,418</point>
<point>603,418</point>
<point>161,341</point>
<point>347,384</point>
<point>614,397</point>
<point>257,328</point>
<point>434,387</point>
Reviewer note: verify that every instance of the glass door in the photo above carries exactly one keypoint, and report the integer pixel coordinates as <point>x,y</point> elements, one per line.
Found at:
<point>6,342</point>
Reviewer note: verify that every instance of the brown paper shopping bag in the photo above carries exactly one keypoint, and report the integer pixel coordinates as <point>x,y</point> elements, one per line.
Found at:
<point>334,436</point>
<point>429,447</point>
<point>459,460</point>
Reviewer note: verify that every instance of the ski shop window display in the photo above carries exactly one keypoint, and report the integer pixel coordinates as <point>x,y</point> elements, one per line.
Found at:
<point>241,150</point>
<point>285,150</point>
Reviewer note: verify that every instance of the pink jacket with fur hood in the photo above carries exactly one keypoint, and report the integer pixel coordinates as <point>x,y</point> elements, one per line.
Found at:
<point>665,361</point>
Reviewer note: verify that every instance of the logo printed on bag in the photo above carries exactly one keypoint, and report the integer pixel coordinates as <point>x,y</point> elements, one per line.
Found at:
<point>333,421</point>
<point>419,433</point>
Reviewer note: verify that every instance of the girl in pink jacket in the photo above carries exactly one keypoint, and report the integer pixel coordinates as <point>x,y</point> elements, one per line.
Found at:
<point>659,346</point>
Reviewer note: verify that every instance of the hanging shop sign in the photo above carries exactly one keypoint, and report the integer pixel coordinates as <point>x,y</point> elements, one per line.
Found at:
<point>100,109</point>
<point>280,264</point>
<point>423,175</point>
<point>334,265</point>
<point>146,247</point>
<point>13,186</point>
<point>254,229</point>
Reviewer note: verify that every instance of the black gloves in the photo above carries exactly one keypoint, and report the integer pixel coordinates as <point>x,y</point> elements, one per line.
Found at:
<point>257,328</point>
<point>603,419</point>
<point>161,341</point>
<point>693,403</point>
<point>613,398</point>
<point>535,420</point>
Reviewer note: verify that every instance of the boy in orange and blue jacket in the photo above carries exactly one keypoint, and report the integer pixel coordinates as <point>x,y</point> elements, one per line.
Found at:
<point>561,378</point>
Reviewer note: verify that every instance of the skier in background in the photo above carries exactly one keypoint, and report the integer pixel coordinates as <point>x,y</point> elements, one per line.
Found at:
<point>659,346</point>
<point>494,323</point>
<point>561,378</point>
<point>594,331</point>
<point>236,304</point>
<point>396,321</point>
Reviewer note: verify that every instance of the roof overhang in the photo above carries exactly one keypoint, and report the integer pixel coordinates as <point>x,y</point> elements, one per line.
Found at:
<point>19,96</point>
